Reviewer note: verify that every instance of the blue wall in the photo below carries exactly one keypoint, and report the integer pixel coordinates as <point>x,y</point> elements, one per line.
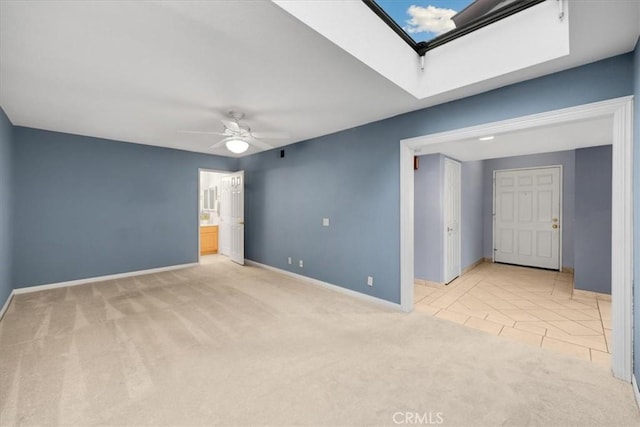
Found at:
<point>472,228</point>
<point>428,220</point>
<point>87,207</point>
<point>636,210</point>
<point>350,179</point>
<point>564,158</point>
<point>353,177</point>
<point>592,225</point>
<point>6,134</point>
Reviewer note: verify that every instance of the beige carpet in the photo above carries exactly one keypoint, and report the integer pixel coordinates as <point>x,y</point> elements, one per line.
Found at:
<point>224,344</point>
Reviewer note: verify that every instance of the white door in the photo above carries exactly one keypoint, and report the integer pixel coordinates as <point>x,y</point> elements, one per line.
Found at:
<point>452,202</point>
<point>232,217</point>
<point>527,217</point>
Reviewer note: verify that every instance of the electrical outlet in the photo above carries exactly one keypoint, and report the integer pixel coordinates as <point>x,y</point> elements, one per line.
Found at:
<point>325,222</point>
<point>300,263</point>
<point>370,280</point>
<point>289,260</point>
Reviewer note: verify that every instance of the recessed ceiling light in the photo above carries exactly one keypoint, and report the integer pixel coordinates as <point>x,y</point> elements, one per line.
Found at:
<point>486,138</point>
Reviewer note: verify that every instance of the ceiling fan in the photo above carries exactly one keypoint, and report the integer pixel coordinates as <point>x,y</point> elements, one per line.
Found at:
<point>238,137</point>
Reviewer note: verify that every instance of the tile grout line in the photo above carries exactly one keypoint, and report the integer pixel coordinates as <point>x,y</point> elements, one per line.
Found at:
<point>603,328</point>
<point>542,292</point>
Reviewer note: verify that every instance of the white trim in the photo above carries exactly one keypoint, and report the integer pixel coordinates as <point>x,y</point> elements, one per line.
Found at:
<point>406,227</point>
<point>622,242</point>
<point>5,307</point>
<point>622,204</point>
<point>327,285</point>
<point>580,112</point>
<point>560,213</point>
<point>493,219</point>
<point>636,390</point>
<point>37,288</point>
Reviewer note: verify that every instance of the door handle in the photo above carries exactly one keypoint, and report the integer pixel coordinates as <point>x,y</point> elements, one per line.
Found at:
<point>555,226</point>
<point>240,222</point>
<point>449,229</point>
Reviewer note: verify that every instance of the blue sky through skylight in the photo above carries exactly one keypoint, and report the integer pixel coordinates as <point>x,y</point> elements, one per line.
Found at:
<point>423,20</point>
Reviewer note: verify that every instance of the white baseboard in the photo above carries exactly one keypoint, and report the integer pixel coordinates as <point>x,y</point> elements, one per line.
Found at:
<point>37,288</point>
<point>327,285</point>
<point>472,266</point>
<point>636,390</point>
<point>6,305</point>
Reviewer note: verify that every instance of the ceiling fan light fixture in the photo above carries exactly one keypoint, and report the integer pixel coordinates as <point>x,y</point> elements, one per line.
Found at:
<point>237,146</point>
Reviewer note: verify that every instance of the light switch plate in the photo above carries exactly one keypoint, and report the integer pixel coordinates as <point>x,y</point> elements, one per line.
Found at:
<point>325,222</point>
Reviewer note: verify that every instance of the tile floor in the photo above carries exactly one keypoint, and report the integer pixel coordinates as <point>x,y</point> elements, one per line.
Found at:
<point>536,307</point>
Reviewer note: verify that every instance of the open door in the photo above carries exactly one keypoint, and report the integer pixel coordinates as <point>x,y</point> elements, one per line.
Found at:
<point>452,201</point>
<point>232,217</point>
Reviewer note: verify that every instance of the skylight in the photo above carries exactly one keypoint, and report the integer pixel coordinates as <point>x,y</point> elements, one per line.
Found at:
<point>424,20</point>
<point>425,24</point>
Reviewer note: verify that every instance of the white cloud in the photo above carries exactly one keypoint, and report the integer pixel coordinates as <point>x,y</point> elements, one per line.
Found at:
<point>429,19</point>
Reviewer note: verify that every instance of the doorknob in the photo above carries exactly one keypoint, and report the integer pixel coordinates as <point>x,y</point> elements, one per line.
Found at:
<point>449,229</point>
<point>554,226</point>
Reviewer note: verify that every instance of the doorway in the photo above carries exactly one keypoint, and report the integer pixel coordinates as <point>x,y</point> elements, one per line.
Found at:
<point>619,112</point>
<point>527,209</point>
<point>220,215</point>
<point>209,183</point>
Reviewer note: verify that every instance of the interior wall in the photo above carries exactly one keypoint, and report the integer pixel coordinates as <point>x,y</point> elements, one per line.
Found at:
<point>349,178</point>
<point>87,207</point>
<point>6,144</point>
<point>636,210</point>
<point>353,177</point>
<point>472,227</point>
<point>428,219</point>
<point>564,158</point>
<point>592,225</point>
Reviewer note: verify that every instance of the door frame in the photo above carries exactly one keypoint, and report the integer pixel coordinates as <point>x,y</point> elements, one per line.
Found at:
<point>560,215</point>
<point>621,111</point>
<point>444,225</point>
<point>200,170</point>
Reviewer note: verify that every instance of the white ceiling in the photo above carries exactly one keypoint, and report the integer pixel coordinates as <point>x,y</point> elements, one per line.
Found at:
<point>566,136</point>
<point>142,71</point>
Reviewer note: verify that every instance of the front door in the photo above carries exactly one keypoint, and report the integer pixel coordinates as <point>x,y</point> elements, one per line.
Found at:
<point>527,217</point>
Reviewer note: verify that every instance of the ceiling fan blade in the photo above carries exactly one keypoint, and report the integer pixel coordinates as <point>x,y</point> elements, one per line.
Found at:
<point>231,125</point>
<point>271,135</point>
<point>201,132</point>
<point>260,144</point>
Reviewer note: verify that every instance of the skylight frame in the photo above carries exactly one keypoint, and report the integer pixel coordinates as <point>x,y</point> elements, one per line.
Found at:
<point>421,48</point>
